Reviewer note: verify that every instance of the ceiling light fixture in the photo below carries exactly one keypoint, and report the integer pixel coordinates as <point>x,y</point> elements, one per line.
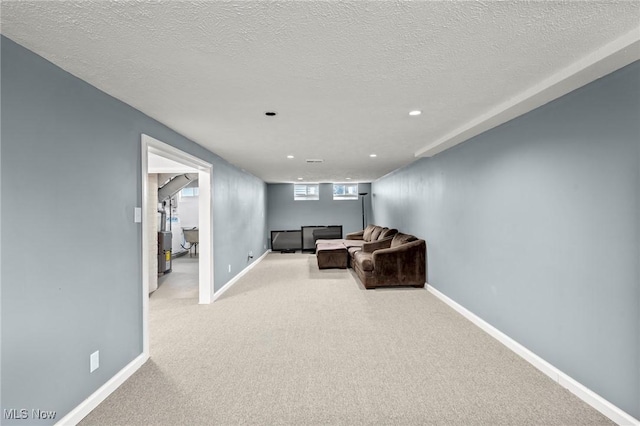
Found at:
<point>348,178</point>
<point>372,155</point>
<point>415,112</point>
<point>270,113</point>
<point>289,156</point>
<point>299,178</point>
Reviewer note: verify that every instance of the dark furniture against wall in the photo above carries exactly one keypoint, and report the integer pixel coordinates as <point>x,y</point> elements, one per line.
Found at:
<point>331,255</point>
<point>393,261</point>
<point>312,233</point>
<point>287,241</point>
<point>379,256</point>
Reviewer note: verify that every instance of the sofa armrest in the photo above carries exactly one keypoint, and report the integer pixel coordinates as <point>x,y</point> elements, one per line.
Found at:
<point>355,235</point>
<point>372,246</point>
<point>404,264</point>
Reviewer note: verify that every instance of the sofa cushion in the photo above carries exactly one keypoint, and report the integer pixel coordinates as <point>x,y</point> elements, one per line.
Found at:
<point>401,238</point>
<point>332,241</point>
<point>354,249</point>
<point>354,235</point>
<point>331,255</point>
<point>364,260</point>
<point>375,233</point>
<point>353,243</point>
<point>379,244</point>
<point>386,232</point>
<point>367,232</point>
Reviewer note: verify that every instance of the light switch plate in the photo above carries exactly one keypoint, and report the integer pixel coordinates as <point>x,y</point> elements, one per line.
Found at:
<point>137,214</point>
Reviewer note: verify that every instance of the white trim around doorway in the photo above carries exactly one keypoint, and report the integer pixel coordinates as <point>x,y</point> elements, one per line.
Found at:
<point>205,279</point>
<point>205,224</point>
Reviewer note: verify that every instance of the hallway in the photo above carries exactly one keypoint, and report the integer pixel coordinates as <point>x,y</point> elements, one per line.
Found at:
<point>180,283</point>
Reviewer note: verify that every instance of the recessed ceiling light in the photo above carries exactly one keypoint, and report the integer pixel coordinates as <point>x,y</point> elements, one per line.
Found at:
<point>289,156</point>
<point>270,113</point>
<point>415,112</point>
<point>348,178</point>
<point>372,155</point>
<point>299,178</point>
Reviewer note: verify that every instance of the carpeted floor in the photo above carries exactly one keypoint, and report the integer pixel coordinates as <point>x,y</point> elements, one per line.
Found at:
<point>289,344</point>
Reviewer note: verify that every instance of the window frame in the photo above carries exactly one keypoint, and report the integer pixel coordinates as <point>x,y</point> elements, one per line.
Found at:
<point>347,196</point>
<point>313,195</point>
<point>195,192</point>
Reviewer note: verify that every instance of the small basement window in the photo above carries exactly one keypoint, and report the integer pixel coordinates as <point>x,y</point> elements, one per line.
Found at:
<point>306,191</point>
<point>189,192</point>
<point>345,191</point>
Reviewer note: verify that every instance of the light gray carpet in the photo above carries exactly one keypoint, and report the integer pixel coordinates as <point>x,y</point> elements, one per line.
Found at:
<point>290,344</point>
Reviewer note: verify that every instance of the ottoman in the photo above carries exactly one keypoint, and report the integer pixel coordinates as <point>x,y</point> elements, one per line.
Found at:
<point>331,255</point>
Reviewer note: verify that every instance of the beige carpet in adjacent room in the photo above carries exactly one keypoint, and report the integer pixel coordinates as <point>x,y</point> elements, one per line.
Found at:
<point>289,344</point>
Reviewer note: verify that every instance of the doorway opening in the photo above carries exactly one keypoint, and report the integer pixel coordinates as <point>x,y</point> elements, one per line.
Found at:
<point>157,158</point>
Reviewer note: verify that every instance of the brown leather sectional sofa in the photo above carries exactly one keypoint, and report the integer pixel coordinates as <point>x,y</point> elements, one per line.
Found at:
<point>381,256</point>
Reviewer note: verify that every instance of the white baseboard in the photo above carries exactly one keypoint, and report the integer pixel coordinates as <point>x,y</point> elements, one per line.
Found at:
<point>235,279</point>
<point>81,411</point>
<point>587,395</point>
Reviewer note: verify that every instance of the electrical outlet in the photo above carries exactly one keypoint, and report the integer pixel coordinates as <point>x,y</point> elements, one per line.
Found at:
<point>229,267</point>
<point>94,361</point>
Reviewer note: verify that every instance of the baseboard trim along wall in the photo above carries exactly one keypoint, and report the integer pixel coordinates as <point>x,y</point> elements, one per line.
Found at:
<point>80,412</point>
<point>235,279</point>
<point>587,395</point>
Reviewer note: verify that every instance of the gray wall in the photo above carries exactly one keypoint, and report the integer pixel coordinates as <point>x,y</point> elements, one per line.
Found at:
<point>534,226</point>
<point>283,212</point>
<point>71,253</point>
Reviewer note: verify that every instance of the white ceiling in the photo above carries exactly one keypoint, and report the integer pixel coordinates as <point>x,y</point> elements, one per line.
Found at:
<point>342,76</point>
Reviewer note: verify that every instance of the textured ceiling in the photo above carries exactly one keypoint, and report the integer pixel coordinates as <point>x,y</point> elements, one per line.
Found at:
<point>341,75</point>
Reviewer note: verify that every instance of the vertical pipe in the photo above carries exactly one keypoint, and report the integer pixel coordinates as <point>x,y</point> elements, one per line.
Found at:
<point>362,194</point>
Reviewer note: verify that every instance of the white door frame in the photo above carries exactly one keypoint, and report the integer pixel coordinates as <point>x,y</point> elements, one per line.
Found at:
<point>205,224</point>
